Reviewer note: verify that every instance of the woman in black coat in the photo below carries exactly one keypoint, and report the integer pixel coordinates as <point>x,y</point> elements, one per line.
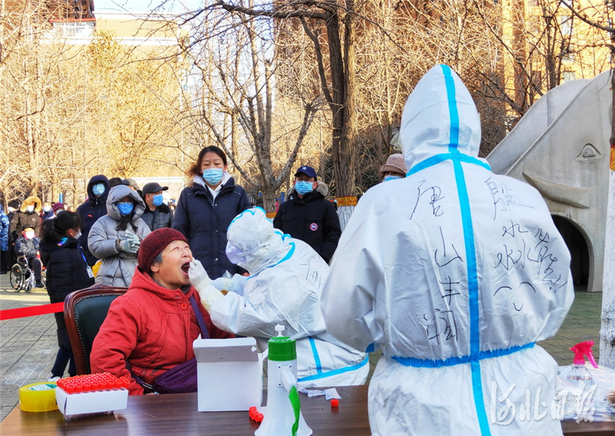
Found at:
<point>205,210</point>
<point>67,271</point>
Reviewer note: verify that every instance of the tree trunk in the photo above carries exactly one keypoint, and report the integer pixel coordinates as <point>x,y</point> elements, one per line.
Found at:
<point>343,182</point>
<point>607,330</point>
<point>269,200</point>
<point>344,159</point>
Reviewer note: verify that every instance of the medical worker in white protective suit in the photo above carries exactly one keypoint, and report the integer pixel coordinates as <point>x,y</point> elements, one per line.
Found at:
<point>284,287</point>
<point>455,273</point>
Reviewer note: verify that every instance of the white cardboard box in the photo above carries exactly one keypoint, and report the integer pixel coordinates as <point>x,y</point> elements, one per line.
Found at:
<point>91,402</point>
<point>230,374</point>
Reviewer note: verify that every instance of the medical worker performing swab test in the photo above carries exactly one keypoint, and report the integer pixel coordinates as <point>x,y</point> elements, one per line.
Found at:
<point>284,287</point>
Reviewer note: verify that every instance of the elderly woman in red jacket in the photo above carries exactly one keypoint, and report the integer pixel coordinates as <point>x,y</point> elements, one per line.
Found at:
<point>153,325</point>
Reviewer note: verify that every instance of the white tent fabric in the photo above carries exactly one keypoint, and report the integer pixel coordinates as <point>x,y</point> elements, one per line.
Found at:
<point>284,288</point>
<point>454,272</point>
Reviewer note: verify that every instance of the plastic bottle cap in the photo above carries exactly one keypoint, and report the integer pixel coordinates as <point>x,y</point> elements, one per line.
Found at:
<point>282,349</point>
<point>335,402</point>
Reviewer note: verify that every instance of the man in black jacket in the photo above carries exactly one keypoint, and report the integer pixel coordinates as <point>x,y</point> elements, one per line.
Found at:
<point>91,209</point>
<point>308,216</point>
<point>157,214</point>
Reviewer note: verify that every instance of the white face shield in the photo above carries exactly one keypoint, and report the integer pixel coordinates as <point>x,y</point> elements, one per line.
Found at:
<point>252,240</point>
<point>234,254</point>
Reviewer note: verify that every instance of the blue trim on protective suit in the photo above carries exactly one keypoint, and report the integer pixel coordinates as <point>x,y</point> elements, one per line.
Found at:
<point>452,361</point>
<point>316,356</point>
<point>436,159</point>
<point>470,250</point>
<point>247,210</point>
<point>452,108</point>
<point>334,371</point>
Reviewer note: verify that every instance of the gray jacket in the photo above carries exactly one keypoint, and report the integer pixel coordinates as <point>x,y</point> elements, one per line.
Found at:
<point>117,267</point>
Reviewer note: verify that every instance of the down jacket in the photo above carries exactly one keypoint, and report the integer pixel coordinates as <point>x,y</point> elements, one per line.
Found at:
<point>92,209</point>
<point>27,247</point>
<point>204,222</point>
<point>158,218</point>
<point>4,231</point>
<point>117,266</point>
<point>150,326</point>
<point>67,271</point>
<point>22,219</point>
<point>312,219</point>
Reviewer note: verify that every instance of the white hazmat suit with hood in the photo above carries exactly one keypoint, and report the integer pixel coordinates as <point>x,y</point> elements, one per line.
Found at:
<point>284,287</point>
<point>455,273</point>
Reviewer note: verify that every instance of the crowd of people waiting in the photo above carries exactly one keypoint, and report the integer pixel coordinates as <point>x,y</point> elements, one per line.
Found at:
<point>103,242</point>
<point>414,278</point>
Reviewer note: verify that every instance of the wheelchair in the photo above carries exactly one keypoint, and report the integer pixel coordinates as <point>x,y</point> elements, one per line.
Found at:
<point>22,276</point>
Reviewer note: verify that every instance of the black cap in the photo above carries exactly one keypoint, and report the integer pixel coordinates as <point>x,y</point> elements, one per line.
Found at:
<point>308,171</point>
<point>14,204</point>
<point>153,187</point>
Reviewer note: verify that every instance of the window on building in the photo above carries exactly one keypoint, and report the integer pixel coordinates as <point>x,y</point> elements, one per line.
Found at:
<point>567,76</point>
<point>74,29</point>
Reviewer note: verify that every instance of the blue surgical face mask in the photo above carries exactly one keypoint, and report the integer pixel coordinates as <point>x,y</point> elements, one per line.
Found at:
<point>157,200</point>
<point>304,187</point>
<point>213,175</point>
<point>125,208</point>
<point>391,177</point>
<point>98,189</point>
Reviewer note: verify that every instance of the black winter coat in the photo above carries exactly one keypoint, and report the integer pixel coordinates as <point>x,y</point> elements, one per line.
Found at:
<point>204,222</point>
<point>312,219</point>
<point>90,211</point>
<point>67,271</point>
<point>158,218</point>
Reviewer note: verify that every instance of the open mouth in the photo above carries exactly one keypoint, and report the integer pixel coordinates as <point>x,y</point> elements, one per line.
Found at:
<point>186,267</point>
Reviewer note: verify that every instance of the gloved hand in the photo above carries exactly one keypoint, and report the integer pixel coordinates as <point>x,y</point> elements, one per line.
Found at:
<point>239,282</point>
<point>127,246</point>
<point>198,276</point>
<point>222,284</point>
<point>134,239</point>
<point>209,295</point>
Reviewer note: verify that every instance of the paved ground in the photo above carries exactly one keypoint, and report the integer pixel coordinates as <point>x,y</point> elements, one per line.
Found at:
<point>28,345</point>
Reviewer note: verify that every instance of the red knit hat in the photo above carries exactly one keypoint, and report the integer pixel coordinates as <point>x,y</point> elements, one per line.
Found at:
<point>154,243</point>
<point>57,206</point>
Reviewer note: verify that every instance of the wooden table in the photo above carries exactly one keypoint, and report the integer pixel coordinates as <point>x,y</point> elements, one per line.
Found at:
<point>177,414</point>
